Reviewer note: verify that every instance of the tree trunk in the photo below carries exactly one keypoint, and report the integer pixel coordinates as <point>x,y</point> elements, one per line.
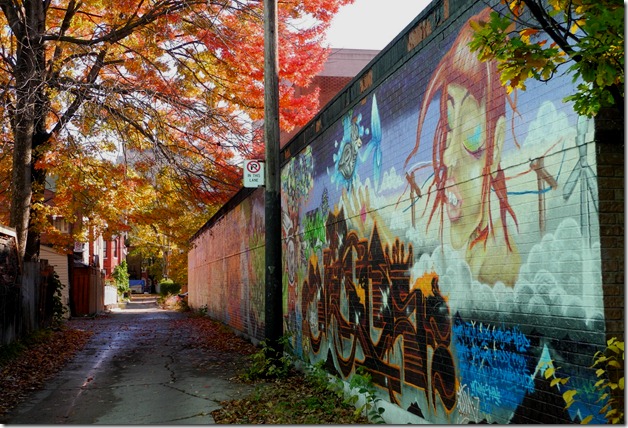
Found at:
<point>29,124</point>
<point>22,191</point>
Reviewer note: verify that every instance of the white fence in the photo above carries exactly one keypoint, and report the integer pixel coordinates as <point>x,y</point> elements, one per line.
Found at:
<point>111,295</point>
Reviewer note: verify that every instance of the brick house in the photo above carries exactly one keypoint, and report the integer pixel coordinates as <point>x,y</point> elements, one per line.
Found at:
<point>341,66</point>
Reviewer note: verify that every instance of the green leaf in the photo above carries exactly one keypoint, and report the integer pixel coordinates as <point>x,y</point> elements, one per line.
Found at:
<point>596,55</point>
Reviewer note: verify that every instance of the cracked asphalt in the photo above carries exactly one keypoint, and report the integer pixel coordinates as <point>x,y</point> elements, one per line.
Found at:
<point>135,369</point>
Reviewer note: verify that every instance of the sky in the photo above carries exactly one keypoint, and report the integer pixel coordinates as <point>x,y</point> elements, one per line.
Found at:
<point>372,24</point>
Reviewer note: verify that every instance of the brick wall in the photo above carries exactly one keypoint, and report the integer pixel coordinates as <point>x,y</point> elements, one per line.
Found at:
<point>611,184</point>
<point>226,266</point>
<point>328,86</point>
<point>340,68</point>
<point>454,246</point>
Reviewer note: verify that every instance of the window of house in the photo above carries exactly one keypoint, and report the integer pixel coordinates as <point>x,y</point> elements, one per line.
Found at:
<point>104,250</point>
<point>115,248</point>
<point>61,225</point>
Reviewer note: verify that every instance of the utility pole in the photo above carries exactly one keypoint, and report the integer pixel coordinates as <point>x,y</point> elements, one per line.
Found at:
<point>273,329</point>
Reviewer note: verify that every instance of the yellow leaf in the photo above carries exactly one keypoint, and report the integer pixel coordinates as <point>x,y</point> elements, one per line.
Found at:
<point>516,7</point>
<point>568,395</point>
<point>614,363</point>
<point>558,380</point>
<point>587,420</point>
<point>549,372</point>
<point>477,25</point>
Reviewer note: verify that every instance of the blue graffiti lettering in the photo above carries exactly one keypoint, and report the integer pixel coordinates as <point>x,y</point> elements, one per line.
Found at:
<point>493,361</point>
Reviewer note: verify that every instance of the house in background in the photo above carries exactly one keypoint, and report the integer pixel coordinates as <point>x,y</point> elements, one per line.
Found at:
<point>113,253</point>
<point>83,270</point>
<point>341,67</point>
<point>60,261</point>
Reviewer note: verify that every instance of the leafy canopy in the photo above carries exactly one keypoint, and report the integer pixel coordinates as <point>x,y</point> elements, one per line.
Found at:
<point>535,38</point>
<point>123,104</point>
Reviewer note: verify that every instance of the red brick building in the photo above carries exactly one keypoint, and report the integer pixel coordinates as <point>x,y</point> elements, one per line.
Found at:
<point>341,67</point>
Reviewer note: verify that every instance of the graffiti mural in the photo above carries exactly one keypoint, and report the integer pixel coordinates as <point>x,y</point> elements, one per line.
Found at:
<point>371,314</point>
<point>443,236</point>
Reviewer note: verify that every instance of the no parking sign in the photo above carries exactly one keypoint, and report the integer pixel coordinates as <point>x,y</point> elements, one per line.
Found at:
<point>253,173</point>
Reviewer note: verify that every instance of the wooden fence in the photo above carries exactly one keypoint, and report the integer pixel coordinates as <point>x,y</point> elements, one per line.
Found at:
<point>26,292</point>
<point>87,294</point>
<point>25,298</point>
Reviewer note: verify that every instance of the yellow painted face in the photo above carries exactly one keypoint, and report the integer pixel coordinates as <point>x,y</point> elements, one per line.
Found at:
<point>464,158</point>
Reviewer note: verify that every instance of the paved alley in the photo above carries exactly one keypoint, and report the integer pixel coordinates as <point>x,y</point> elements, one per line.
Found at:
<point>136,369</point>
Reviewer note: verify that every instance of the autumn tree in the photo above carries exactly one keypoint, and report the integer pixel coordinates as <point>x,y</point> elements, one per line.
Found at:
<point>161,228</point>
<point>105,95</point>
<point>540,38</point>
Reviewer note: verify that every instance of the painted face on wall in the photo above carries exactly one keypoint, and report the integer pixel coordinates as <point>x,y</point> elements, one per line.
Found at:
<point>464,158</point>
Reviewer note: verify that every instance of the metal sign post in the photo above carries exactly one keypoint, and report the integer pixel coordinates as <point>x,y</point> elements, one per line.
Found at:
<point>253,173</point>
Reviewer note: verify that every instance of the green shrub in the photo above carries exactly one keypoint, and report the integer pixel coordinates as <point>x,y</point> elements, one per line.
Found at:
<point>120,277</point>
<point>168,286</point>
<point>58,308</point>
<point>609,365</point>
<point>264,366</point>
